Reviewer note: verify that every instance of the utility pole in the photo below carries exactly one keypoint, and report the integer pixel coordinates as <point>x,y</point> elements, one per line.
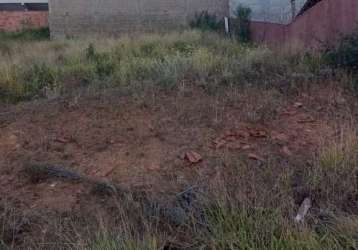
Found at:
<point>293,9</point>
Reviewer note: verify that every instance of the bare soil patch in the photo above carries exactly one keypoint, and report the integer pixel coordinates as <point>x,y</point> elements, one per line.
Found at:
<point>142,144</point>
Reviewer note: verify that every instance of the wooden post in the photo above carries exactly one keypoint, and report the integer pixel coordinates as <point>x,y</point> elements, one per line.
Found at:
<point>227,30</point>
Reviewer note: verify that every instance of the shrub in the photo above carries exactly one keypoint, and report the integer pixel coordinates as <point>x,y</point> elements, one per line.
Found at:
<point>206,22</point>
<point>104,65</point>
<point>242,23</point>
<point>26,35</point>
<point>312,62</point>
<point>91,53</point>
<point>345,55</point>
<point>38,77</point>
<point>103,62</point>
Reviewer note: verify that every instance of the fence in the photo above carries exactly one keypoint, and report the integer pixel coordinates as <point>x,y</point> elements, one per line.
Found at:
<point>324,23</point>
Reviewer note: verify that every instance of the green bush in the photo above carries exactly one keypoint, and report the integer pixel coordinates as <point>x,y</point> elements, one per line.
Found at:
<point>26,35</point>
<point>206,22</point>
<point>91,53</point>
<point>242,24</point>
<point>345,55</point>
<point>103,62</point>
<point>38,77</point>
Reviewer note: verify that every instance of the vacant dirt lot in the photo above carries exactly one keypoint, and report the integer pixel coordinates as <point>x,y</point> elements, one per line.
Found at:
<point>143,143</point>
<point>189,141</point>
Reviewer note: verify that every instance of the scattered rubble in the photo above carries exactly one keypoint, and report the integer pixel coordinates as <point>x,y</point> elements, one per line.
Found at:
<point>193,157</point>
<point>303,210</point>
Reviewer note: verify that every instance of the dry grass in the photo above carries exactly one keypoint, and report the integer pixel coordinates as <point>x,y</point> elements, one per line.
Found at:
<point>246,206</point>
<point>29,69</point>
<point>333,179</point>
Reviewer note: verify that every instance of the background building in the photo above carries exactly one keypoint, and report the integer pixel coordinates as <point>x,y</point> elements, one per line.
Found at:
<point>16,15</point>
<point>276,11</point>
<point>71,18</point>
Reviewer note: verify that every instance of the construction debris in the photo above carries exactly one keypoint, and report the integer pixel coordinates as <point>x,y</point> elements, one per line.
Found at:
<point>303,210</point>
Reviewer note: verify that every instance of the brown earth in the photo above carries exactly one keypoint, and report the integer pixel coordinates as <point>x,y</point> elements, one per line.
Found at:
<point>158,143</point>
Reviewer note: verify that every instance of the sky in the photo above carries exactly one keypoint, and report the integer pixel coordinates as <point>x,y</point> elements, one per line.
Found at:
<point>278,11</point>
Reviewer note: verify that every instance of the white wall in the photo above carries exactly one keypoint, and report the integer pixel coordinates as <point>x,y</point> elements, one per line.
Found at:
<point>277,11</point>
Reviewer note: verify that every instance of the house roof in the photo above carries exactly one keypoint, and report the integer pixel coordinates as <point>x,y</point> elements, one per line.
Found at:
<point>11,7</point>
<point>309,4</point>
<point>23,1</point>
<point>23,7</point>
<point>37,6</point>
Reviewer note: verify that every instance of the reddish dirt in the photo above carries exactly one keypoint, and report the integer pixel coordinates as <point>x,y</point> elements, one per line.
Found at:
<point>144,143</point>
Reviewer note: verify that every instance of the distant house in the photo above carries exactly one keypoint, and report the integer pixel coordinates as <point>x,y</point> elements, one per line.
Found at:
<point>16,15</point>
<point>275,11</point>
<point>23,5</point>
<point>308,4</point>
<point>318,23</point>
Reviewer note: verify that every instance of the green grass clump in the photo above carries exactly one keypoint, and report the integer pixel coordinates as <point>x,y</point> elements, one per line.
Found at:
<point>333,179</point>
<point>26,35</point>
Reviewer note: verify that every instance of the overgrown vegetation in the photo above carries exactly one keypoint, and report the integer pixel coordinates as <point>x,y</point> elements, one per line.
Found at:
<point>206,59</point>
<point>205,21</point>
<point>246,207</point>
<point>26,35</point>
<point>345,55</point>
<point>247,204</point>
<point>241,24</point>
<point>333,180</point>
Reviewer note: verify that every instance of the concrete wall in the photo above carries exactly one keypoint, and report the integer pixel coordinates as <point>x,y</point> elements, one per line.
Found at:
<point>19,20</point>
<point>326,22</point>
<point>70,18</point>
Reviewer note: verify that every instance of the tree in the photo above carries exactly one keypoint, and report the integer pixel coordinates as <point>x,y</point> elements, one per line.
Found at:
<point>243,15</point>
